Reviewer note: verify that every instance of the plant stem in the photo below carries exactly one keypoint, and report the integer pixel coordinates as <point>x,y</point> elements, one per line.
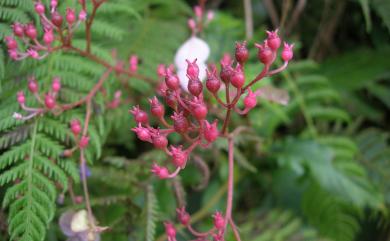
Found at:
<point>229,201</point>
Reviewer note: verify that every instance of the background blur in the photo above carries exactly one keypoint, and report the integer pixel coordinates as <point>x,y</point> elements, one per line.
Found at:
<point>315,169</point>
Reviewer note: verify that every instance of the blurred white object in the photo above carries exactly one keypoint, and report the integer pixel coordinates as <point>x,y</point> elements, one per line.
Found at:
<point>193,48</point>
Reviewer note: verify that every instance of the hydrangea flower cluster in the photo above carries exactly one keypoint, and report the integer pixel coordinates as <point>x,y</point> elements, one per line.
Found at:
<point>190,117</point>
<point>55,23</point>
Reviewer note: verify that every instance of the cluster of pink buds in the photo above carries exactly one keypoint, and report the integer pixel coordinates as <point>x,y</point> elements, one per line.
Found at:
<point>201,19</point>
<point>190,111</point>
<point>81,139</point>
<point>38,47</point>
<point>47,100</point>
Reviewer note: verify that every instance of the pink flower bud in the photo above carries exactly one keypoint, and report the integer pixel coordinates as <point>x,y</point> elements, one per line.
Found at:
<point>210,15</point>
<point>53,3</point>
<point>30,31</point>
<point>11,43</point>
<point>82,15</point>
<point>171,80</point>
<point>210,131</point>
<point>70,16</point>
<point>50,101</point>
<point>133,63</point>
<point>179,157</point>
<point>139,115</point>
<point>192,69</point>
<point>180,123</point>
<point>33,53</point>
<point>170,99</point>
<point>213,83</point>
<point>226,71</point>
<point>199,109</point>
<point>265,54</point>
<point>191,24</point>
<point>195,87</point>
<point>170,230</point>
<point>159,141</point>
<point>75,127</point>
<point>156,108</point>
<point>219,221</point>
<point>142,133</point>
<point>160,172</point>
<point>198,11</point>
<point>13,54</point>
<point>33,85</point>
<point>226,59</point>
<point>84,141</point>
<point>161,70</point>
<point>56,84</point>
<point>48,37</point>
<point>250,100</point>
<point>238,77</point>
<point>273,40</point>
<point>18,29</point>
<point>20,98</point>
<point>242,52</point>
<point>287,53</point>
<point>183,216</point>
<point>39,8</point>
<point>57,19</point>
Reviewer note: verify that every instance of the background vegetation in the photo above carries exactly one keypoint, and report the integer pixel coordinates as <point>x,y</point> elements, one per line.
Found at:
<point>316,169</point>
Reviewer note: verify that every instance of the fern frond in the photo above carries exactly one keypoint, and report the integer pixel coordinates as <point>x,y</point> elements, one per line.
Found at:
<point>151,209</point>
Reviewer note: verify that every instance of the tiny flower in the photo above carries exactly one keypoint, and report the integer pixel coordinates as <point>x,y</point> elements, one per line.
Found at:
<point>160,172</point>
<point>48,37</point>
<point>191,24</point>
<point>250,100</point>
<point>273,40</point>
<point>11,43</point>
<point>287,53</point>
<point>238,77</point>
<point>139,115</point>
<point>56,18</point>
<point>170,99</point>
<point>39,8</point>
<point>18,29</point>
<point>30,31</point>
<point>213,83</point>
<point>17,116</point>
<point>161,70</point>
<point>32,85</point>
<point>210,15</point>
<point>192,69</point>
<point>84,141</point>
<point>226,71</point>
<point>180,122</point>
<point>13,54</point>
<point>195,87</point>
<point>171,80</point>
<point>53,3</point>
<point>226,59</point>
<point>198,11</point>
<point>70,16</point>
<point>33,53</point>
<point>265,54</point>
<point>179,157</point>
<point>142,133</point>
<point>156,108</point>
<point>82,15</point>
<point>219,221</point>
<point>133,63</point>
<point>159,141</point>
<point>210,131</point>
<point>199,109</point>
<point>170,230</point>
<point>20,97</point>
<point>241,53</point>
<point>50,101</point>
<point>56,84</point>
<point>75,126</point>
<point>183,216</point>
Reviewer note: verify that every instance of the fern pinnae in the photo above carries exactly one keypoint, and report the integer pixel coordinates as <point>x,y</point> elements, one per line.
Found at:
<point>151,217</point>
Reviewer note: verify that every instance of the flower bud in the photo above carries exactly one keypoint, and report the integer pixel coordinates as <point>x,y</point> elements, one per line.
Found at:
<point>192,69</point>
<point>159,141</point>
<point>13,54</point>
<point>84,141</point>
<point>179,157</point>
<point>213,83</point>
<point>70,16</point>
<point>139,115</point>
<point>156,108</point>
<point>238,77</point>
<point>53,4</point>
<point>287,53</point>
<point>50,101</point>
<point>219,221</point>
<point>161,70</point>
<point>265,54</point>
<point>198,109</point>
<point>142,133</point>
<point>48,37</point>
<point>133,63</point>
<point>210,15</point>
<point>242,52</point>
<point>20,98</point>
<point>33,85</point>
<point>195,87</point>
<point>39,8</point>
<point>160,172</point>
<point>11,43</point>
<point>191,24</point>
<point>170,231</point>
<point>210,131</point>
<point>56,18</point>
<point>198,11</point>
<point>250,100</point>
<point>82,15</point>
<point>171,80</point>
<point>273,40</point>
<point>31,31</point>
<point>180,123</point>
<point>170,99</point>
<point>183,216</point>
<point>18,29</point>
<point>56,84</point>
<point>33,53</point>
<point>226,72</point>
<point>75,127</point>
